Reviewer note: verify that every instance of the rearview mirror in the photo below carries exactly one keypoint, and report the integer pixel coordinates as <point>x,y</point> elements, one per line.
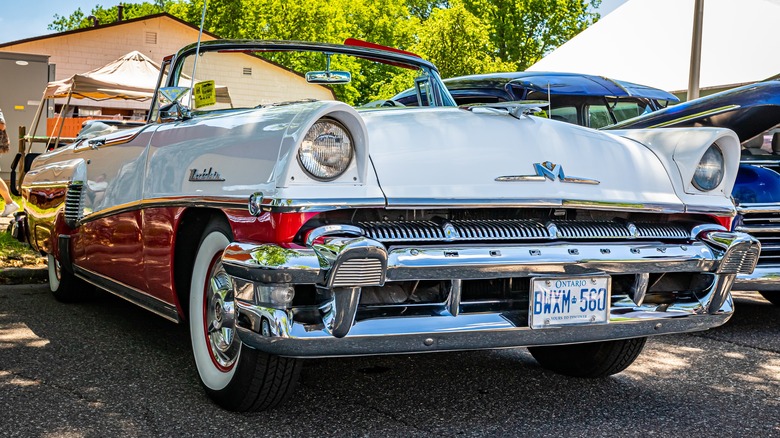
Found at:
<point>328,77</point>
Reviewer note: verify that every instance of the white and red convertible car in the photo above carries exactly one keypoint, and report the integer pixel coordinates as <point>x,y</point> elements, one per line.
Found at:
<point>300,227</point>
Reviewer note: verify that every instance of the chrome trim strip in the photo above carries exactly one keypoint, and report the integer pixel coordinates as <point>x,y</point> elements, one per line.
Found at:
<point>763,278</point>
<point>226,203</point>
<point>399,203</point>
<point>262,263</point>
<point>481,262</point>
<point>101,142</point>
<point>299,205</point>
<point>129,293</point>
<point>281,205</point>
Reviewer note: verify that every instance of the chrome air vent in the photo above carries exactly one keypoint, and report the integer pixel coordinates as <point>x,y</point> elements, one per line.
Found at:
<point>359,272</point>
<point>510,230</point>
<point>74,204</point>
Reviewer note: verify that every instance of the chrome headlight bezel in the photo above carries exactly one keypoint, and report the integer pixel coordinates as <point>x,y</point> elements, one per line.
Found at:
<point>322,161</point>
<point>710,171</point>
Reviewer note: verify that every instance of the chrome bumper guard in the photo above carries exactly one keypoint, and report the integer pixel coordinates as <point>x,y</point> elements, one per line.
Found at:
<point>340,266</point>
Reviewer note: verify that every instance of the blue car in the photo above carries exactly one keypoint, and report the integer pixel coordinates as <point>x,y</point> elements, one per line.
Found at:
<point>586,100</point>
<point>750,111</point>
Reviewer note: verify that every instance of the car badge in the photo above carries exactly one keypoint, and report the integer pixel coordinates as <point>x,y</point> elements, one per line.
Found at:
<point>205,175</point>
<point>548,170</point>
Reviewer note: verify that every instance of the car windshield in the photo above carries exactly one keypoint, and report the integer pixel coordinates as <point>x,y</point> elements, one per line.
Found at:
<point>240,75</point>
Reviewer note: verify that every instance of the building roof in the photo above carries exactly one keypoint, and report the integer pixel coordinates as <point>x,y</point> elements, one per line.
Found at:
<point>103,26</point>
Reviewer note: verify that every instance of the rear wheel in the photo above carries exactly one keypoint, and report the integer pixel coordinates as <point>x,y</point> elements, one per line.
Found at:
<point>772,297</point>
<point>236,377</point>
<point>65,286</point>
<point>593,359</point>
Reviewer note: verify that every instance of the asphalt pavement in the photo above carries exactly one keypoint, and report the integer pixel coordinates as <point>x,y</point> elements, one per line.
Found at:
<point>108,368</point>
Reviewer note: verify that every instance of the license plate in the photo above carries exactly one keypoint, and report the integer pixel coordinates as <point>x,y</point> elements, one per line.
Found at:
<point>559,301</point>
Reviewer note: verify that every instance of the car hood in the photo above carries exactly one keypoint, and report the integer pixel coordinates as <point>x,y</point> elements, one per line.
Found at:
<point>748,111</point>
<point>448,156</point>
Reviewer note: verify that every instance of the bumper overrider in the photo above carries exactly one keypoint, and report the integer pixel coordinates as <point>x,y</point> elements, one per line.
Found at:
<point>340,262</point>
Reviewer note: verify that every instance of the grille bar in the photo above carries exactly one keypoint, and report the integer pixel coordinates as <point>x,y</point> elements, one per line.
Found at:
<point>763,223</point>
<point>520,229</point>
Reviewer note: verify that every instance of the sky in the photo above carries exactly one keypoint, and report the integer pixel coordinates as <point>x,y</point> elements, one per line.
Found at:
<point>20,19</point>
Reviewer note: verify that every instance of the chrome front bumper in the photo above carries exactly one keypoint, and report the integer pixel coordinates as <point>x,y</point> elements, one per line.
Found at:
<point>340,266</point>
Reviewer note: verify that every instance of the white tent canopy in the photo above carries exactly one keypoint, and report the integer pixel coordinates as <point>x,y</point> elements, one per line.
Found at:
<point>649,42</point>
<point>131,77</point>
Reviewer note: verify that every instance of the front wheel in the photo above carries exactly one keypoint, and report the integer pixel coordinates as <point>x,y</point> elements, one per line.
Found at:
<point>593,359</point>
<point>772,297</point>
<point>236,377</point>
<point>65,287</point>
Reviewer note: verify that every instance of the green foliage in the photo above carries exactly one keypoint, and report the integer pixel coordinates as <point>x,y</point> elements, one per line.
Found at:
<point>523,31</point>
<point>459,36</point>
<point>78,20</point>
<point>457,43</point>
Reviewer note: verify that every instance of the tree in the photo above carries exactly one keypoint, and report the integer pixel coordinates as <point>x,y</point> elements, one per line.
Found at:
<point>524,31</point>
<point>78,20</point>
<point>458,43</point>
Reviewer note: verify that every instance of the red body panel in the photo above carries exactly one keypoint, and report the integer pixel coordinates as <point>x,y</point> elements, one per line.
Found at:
<point>137,248</point>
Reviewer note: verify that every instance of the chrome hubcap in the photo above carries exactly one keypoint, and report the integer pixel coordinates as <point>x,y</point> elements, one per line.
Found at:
<point>219,318</point>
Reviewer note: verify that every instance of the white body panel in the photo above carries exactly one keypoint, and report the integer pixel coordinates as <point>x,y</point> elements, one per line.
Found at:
<point>418,158</point>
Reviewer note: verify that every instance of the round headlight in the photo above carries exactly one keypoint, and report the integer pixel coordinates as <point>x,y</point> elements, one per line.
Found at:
<point>709,172</point>
<point>326,150</point>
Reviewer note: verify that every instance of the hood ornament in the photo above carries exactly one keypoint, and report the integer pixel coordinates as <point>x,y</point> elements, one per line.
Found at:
<point>548,170</point>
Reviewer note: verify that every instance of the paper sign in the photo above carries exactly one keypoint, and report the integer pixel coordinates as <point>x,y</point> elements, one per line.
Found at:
<point>205,94</point>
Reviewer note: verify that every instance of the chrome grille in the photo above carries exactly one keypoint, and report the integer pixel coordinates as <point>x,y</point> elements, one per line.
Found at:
<point>661,231</point>
<point>358,272</point>
<point>420,231</point>
<point>763,223</point>
<point>498,230</point>
<point>74,204</point>
<point>509,229</point>
<point>592,230</point>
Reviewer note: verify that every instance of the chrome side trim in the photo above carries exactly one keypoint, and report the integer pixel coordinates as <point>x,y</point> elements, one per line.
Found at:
<point>129,293</point>
<point>238,203</point>
<point>283,205</point>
